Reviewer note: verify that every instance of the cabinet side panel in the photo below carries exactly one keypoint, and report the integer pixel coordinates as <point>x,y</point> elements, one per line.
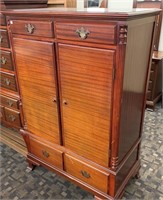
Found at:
<point>36,75</point>
<point>135,73</point>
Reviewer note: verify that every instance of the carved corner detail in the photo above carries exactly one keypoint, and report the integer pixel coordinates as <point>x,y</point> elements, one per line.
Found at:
<point>114,163</point>
<point>123,34</point>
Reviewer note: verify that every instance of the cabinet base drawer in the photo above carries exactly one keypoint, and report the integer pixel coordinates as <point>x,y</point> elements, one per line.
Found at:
<point>46,153</point>
<point>86,173</point>
<point>4,41</point>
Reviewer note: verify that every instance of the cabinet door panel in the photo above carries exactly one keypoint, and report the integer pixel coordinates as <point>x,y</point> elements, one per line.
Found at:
<point>36,75</point>
<point>86,88</point>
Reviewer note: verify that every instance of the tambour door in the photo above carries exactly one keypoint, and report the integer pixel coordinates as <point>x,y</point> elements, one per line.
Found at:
<point>36,76</point>
<point>86,76</point>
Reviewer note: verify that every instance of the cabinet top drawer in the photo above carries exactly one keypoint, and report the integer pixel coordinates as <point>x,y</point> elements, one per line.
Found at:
<point>36,28</point>
<point>89,32</point>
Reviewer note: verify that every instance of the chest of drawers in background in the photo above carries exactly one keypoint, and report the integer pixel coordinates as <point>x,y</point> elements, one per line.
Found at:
<point>9,96</point>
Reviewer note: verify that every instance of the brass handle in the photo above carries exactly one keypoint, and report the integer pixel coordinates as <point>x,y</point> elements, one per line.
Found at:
<point>82,33</point>
<point>7,81</point>
<point>85,174</point>
<point>1,39</point>
<point>3,60</point>
<point>45,153</point>
<point>12,118</point>
<point>65,102</point>
<point>55,99</point>
<point>10,103</point>
<point>30,28</point>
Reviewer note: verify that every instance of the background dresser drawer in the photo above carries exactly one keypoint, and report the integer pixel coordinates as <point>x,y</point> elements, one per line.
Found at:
<point>149,95</point>
<point>8,81</point>
<point>97,33</point>
<point>2,20</point>
<point>4,41</point>
<point>2,113</point>
<point>6,60</point>
<point>152,74</point>
<point>86,173</point>
<point>35,28</point>
<point>150,85</point>
<point>49,155</point>
<point>9,102</point>
<point>13,117</point>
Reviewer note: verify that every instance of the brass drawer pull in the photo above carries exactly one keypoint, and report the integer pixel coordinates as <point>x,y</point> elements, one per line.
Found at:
<point>85,174</point>
<point>30,28</point>
<point>55,100</point>
<point>1,39</point>
<point>10,103</point>
<point>82,33</point>
<point>65,102</point>
<point>45,153</point>
<point>7,81</point>
<point>3,60</point>
<point>12,118</point>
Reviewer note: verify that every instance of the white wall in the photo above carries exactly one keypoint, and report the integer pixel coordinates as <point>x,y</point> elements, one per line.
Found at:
<point>161,39</point>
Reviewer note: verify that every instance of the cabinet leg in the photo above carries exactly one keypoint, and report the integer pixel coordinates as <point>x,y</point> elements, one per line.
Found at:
<point>137,175</point>
<point>30,167</point>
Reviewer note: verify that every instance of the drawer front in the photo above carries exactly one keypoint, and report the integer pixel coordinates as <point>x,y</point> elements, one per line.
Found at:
<point>97,33</point>
<point>36,28</point>
<point>9,102</point>
<point>2,113</point>
<point>4,41</point>
<point>47,154</point>
<point>6,60</point>
<point>150,85</point>
<point>149,95</point>
<point>2,20</point>
<point>13,117</point>
<point>86,173</point>
<point>8,81</point>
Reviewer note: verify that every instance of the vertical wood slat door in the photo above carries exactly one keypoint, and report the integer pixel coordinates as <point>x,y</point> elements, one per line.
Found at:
<point>86,76</point>
<point>36,75</point>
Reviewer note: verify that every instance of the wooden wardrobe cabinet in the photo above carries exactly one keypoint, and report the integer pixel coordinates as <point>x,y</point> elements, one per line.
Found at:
<point>82,79</point>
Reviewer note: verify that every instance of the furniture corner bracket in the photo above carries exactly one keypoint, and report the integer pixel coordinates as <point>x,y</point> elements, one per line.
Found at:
<point>123,29</point>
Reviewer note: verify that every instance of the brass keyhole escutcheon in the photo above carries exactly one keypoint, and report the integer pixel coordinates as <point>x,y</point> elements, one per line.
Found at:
<point>30,28</point>
<point>82,33</point>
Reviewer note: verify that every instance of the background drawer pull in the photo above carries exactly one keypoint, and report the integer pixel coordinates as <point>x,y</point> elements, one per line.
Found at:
<point>82,33</point>
<point>10,103</point>
<point>85,174</point>
<point>30,28</point>
<point>7,81</point>
<point>12,118</point>
<point>45,153</point>
<point>3,60</point>
<point>1,39</point>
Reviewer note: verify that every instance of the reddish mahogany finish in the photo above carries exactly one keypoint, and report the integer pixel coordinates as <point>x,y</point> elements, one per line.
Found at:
<point>83,92</point>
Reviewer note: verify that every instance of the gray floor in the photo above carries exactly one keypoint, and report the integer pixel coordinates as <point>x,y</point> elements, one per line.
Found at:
<point>17,183</point>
